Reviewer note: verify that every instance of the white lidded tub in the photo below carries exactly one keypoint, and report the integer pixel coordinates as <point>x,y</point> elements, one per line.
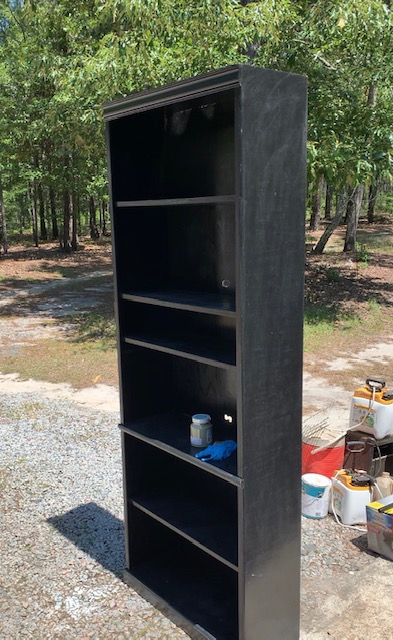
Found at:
<point>315,495</point>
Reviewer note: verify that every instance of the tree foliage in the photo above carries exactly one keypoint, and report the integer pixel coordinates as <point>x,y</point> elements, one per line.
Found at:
<point>60,61</point>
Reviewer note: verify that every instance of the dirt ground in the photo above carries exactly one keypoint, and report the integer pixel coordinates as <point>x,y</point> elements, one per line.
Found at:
<point>28,263</point>
<point>43,290</point>
<point>57,315</point>
<point>355,292</point>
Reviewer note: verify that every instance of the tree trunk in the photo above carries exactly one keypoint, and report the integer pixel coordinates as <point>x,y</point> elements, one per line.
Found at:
<point>41,208</point>
<point>103,217</point>
<point>53,216</point>
<point>328,202</point>
<point>350,209</point>
<point>372,95</point>
<point>67,213</point>
<point>76,210</point>
<point>74,223</point>
<point>372,194</point>
<point>23,200</point>
<point>94,233</point>
<point>353,219</point>
<point>66,239</point>
<point>342,200</point>
<point>21,216</point>
<point>33,210</point>
<point>39,201</point>
<point>4,238</point>
<point>316,203</point>
<point>101,210</point>
<point>372,198</point>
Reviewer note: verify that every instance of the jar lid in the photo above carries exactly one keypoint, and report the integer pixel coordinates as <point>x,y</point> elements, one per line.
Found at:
<point>201,418</point>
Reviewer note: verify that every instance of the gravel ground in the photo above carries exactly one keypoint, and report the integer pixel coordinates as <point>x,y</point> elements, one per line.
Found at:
<point>328,548</point>
<point>62,530</point>
<point>62,526</point>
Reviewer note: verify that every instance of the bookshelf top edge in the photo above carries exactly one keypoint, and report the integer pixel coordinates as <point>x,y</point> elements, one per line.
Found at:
<point>204,84</point>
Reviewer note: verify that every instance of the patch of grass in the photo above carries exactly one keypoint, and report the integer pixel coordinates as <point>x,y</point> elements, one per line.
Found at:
<point>374,306</point>
<point>19,282</point>
<point>322,322</point>
<point>62,271</point>
<point>316,315</point>
<point>29,409</point>
<point>94,327</point>
<point>333,274</point>
<point>362,255</point>
<point>21,239</point>
<point>379,241</point>
<point>326,329</point>
<point>37,426</point>
<point>79,364</point>
<point>319,323</point>
<point>4,477</point>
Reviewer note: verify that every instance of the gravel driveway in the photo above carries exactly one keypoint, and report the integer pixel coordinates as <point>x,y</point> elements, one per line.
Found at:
<point>62,526</point>
<point>62,531</point>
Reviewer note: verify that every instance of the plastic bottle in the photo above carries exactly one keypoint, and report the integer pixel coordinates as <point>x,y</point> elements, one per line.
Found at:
<point>201,430</point>
<point>385,485</point>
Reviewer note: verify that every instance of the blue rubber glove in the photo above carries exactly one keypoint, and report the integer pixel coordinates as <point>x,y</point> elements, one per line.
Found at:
<point>217,451</point>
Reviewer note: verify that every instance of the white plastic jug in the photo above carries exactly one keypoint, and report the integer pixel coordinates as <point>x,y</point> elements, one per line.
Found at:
<point>385,485</point>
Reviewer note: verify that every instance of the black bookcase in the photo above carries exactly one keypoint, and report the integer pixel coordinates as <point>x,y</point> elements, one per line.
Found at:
<point>207,180</point>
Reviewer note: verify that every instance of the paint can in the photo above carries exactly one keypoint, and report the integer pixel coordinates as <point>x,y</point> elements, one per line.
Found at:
<point>315,495</point>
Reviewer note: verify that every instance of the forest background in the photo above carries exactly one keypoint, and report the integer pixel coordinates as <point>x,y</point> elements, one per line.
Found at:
<point>60,61</point>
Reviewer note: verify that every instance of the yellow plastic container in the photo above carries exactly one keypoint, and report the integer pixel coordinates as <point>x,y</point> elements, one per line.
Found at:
<point>349,501</point>
<point>372,411</point>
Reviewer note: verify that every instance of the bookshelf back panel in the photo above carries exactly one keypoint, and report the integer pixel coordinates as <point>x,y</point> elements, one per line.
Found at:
<point>156,383</point>
<point>182,150</point>
<point>189,248</point>
<point>195,584</point>
<point>183,495</point>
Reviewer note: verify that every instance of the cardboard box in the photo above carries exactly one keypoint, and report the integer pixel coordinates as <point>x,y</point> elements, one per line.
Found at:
<point>380,527</point>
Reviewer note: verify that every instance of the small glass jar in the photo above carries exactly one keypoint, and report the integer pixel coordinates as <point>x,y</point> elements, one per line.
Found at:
<point>201,430</point>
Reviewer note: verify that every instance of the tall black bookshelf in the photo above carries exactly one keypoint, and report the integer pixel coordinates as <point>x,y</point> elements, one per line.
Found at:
<point>207,181</point>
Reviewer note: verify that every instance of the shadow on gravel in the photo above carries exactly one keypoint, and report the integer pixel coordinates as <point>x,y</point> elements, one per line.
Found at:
<point>361,543</point>
<point>95,531</point>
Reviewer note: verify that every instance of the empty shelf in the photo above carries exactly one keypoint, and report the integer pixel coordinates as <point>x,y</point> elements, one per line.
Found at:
<point>209,528</point>
<point>188,347</point>
<point>165,202</point>
<point>213,303</point>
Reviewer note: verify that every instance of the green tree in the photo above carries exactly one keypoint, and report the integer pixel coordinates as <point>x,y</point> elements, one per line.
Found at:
<point>62,61</point>
<point>346,52</point>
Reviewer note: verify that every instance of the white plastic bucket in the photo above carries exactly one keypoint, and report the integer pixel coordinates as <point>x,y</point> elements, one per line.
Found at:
<point>315,495</point>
